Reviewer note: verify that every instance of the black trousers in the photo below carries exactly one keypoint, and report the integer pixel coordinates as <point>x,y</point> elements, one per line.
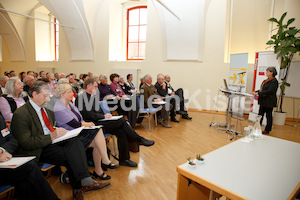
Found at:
<point>268,111</point>
<point>71,154</point>
<point>131,114</point>
<point>29,182</point>
<point>124,134</point>
<point>179,92</point>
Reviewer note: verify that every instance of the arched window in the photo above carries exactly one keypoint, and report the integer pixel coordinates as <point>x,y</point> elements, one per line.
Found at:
<point>136,33</point>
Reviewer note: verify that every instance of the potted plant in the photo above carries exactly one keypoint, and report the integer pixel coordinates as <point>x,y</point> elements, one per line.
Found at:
<point>191,163</point>
<point>199,159</point>
<point>285,43</point>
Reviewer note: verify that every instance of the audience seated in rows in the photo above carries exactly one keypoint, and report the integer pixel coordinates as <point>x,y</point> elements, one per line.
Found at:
<point>91,112</point>
<point>32,126</point>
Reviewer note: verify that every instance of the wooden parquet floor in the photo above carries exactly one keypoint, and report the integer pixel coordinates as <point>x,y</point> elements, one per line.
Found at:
<point>156,175</point>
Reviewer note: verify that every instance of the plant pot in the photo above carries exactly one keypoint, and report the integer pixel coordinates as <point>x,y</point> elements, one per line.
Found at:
<point>279,118</point>
<point>199,161</point>
<point>193,165</point>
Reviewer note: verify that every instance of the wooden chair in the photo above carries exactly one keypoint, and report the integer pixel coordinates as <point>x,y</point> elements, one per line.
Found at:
<point>47,169</point>
<point>6,190</point>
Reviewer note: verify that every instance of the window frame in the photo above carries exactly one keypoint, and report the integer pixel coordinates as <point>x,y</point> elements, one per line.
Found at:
<point>139,25</point>
<point>56,40</point>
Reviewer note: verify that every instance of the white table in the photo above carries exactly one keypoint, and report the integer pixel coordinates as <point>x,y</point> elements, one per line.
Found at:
<point>260,170</point>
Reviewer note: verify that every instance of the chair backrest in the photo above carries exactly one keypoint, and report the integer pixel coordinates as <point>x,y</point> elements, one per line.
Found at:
<point>140,103</point>
<point>104,107</point>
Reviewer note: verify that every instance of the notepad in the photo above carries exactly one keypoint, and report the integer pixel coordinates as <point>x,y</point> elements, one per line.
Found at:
<point>159,102</point>
<point>92,127</point>
<point>15,162</point>
<point>68,135</point>
<point>112,118</point>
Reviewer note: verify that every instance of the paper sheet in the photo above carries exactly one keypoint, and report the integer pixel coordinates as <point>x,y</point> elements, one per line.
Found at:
<point>15,162</point>
<point>112,118</point>
<point>68,135</point>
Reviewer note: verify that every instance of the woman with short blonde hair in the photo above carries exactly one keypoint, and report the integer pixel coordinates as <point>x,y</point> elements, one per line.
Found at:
<point>69,117</point>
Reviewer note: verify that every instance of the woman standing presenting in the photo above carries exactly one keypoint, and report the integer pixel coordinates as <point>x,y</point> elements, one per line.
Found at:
<point>267,98</point>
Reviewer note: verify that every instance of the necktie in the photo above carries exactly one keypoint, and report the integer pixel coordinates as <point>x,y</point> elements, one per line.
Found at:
<point>47,121</point>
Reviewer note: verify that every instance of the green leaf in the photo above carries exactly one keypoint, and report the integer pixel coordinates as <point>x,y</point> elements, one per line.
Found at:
<point>282,87</point>
<point>282,17</point>
<point>273,20</point>
<point>293,49</point>
<point>290,21</point>
<point>292,32</point>
<point>297,42</point>
<point>274,37</point>
<point>270,42</point>
<point>287,84</point>
<point>284,51</point>
<point>288,42</point>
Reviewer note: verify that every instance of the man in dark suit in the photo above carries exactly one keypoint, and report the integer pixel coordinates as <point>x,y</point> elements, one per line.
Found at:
<point>28,179</point>
<point>32,126</point>
<point>182,110</point>
<point>162,90</point>
<point>149,91</point>
<point>90,110</point>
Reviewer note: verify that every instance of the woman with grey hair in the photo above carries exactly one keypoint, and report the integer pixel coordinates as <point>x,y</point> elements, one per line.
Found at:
<point>267,98</point>
<point>12,98</point>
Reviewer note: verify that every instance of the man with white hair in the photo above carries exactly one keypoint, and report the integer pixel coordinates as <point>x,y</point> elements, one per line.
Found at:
<point>149,90</point>
<point>75,86</point>
<point>182,110</point>
<point>161,88</point>
<point>3,81</point>
<point>28,82</point>
<point>62,75</point>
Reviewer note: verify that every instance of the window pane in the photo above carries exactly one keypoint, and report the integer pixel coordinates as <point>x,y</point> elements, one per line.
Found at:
<point>143,31</point>
<point>57,53</point>
<point>142,50</point>
<point>133,50</point>
<point>134,17</point>
<point>57,38</point>
<point>133,34</point>
<point>143,16</point>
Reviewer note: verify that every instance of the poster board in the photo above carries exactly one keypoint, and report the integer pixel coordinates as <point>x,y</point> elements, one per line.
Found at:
<point>238,80</point>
